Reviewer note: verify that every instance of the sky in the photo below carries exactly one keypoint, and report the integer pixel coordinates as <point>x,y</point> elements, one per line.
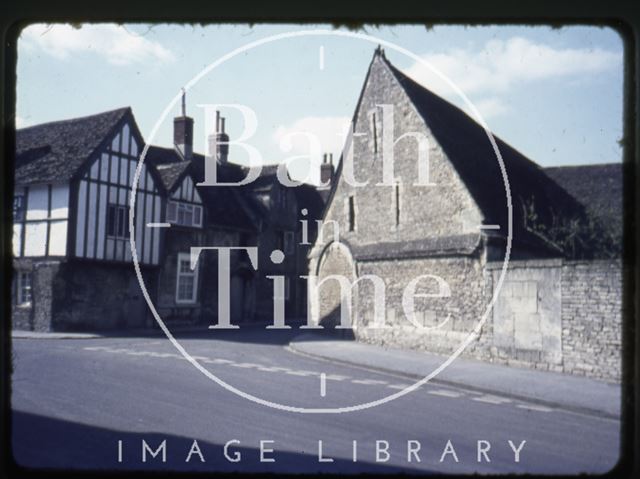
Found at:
<point>555,94</point>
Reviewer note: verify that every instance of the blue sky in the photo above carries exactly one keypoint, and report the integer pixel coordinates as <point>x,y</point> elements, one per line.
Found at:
<point>554,94</point>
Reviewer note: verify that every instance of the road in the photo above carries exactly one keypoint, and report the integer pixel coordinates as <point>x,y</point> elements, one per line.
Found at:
<point>75,401</point>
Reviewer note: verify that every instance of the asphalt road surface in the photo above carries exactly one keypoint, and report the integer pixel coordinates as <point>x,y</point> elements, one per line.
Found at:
<point>111,403</point>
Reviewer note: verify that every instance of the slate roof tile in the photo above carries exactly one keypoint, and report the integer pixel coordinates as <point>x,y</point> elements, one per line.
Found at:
<point>54,151</point>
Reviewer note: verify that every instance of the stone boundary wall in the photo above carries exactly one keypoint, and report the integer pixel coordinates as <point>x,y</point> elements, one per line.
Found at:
<point>588,312</point>
<point>592,318</point>
<point>551,315</point>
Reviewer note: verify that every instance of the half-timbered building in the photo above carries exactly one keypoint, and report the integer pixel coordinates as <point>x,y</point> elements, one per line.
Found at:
<point>71,223</point>
<point>72,236</point>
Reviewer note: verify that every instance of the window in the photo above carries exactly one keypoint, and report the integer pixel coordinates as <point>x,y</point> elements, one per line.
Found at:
<point>23,289</point>
<point>187,280</point>
<point>184,214</point>
<point>374,128</point>
<point>289,242</point>
<point>352,213</point>
<point>18,207</point>
<point>396,200</point>
<point>118,221</point>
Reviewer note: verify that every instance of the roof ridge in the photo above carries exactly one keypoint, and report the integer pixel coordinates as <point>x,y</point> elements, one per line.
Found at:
<point>121,110</point>
<point>400,76</point>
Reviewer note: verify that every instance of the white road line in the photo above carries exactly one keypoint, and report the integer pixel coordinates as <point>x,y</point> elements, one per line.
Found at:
<point>491,399</point>
<point>165,355</point>
<point>244,365</point>
<point>273,369</point>
<point>369,382</point>
<point>301,373</point>
<point>323,384</point>
<point>398,386</point>
<point>533,407</point>
<point>200,358</point>
<point>220,361</point>
<point>335,377</point>
<point>445,393</point>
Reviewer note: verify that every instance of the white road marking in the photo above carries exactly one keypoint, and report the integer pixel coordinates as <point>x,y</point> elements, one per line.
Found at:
<point>244,365</point>
<point>301,373</point>
<point>445,393</point>
<point>336,377</point>
<point>272,369</point>
<point>491,399</point>
<point>220,361</point>
<point>486,398</point>
<point>369,382</point>
<point>534,407</point>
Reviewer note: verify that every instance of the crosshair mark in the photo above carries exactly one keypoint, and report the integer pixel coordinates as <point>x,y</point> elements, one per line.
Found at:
<point>323,384</point>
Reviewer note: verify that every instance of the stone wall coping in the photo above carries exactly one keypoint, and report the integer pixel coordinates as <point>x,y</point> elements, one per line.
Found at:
<point>526,263</point>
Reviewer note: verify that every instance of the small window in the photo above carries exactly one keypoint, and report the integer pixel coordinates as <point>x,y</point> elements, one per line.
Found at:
<point>187,280</point>
<point>396,200</point>
<point>352,213</point>
<point>18,207</point>
<point>184,214</point>
<point>374,129</point>
<point>289,242</point>
<point>23,289</point>
<point>118,221</point>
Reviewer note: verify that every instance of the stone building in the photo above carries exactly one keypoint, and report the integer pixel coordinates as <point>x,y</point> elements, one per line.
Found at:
<point>435,227</point>
<point>71,238</point>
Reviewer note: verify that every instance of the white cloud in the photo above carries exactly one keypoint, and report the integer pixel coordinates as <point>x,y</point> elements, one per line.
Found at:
<point>501,65</point>
<point>490,107</point>
<point>311,136</point>
<point>117,45</point>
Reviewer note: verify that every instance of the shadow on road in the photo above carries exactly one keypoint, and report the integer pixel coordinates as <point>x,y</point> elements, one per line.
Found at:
<point>246,333</point>
<point>43,443</point>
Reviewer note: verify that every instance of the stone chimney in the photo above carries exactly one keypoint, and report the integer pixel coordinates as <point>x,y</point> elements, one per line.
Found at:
<point>183,132</point>
<point>219,141</point>
<point>326,170</point>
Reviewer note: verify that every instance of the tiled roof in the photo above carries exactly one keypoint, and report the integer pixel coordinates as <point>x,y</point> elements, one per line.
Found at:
<point>168,163</point>
<point>55,151</point>
<point>598,188</point>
